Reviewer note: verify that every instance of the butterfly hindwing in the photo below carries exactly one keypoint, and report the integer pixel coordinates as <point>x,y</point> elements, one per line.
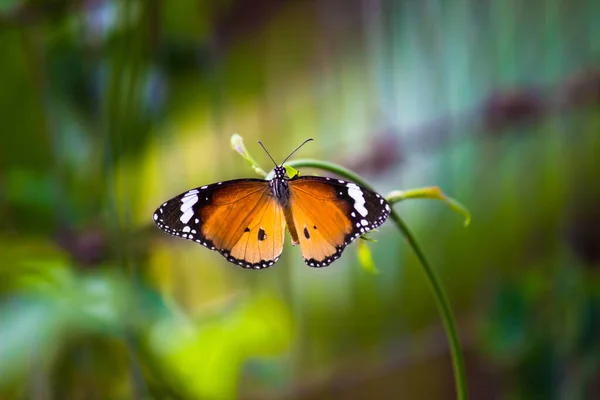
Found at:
<point>240,219</point>
<point>261,241</point>
<point>331,213</point>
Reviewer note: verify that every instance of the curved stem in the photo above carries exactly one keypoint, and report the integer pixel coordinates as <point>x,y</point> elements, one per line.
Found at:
<point>438,292</point>
<point>444,307</point>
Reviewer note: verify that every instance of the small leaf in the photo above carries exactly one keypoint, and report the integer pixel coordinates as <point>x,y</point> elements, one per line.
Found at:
<point>291,171</point>
<point>432,192</point>
<point>365,258</point>
<point>237,144</point>
<point>368,238</point>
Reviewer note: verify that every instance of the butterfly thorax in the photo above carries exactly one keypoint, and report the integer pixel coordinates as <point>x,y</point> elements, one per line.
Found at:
<point>279,185</point>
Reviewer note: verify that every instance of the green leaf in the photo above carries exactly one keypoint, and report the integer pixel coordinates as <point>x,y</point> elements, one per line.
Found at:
<point>365,258</point>
<point>368,238</point>
<point>291,171</point>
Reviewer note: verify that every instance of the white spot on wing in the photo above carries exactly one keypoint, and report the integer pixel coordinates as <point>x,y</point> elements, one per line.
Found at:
<point>155,217</point>
<point>364,222</point>
<point>186,229</point>
<point>186,216</point>
<point>359,200</point>
<point>188,202</point>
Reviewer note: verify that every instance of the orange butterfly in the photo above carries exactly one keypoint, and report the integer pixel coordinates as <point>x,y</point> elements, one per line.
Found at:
<point>245,219</point>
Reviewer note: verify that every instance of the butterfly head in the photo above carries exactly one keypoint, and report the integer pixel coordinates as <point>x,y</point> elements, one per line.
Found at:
<point>279,183</point>
<point>280,172</point>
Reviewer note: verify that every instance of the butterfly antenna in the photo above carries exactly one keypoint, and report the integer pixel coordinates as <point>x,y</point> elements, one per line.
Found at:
<point>297,148</point>
<point>266,151</point>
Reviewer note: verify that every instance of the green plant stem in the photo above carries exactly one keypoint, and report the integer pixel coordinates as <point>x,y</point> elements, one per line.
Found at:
<point>444,307</point>
<point>438,292</point>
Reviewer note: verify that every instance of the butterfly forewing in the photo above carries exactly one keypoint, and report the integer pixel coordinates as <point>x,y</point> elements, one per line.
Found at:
<point>330,213</point>
<point>240,219</point>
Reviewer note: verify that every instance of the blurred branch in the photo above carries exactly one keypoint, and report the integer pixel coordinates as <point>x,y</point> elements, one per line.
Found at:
<point>122,113</point>
<point>138,387</point>
<point>38,379</point>
<point>34,13</point>
<point>154,28</point>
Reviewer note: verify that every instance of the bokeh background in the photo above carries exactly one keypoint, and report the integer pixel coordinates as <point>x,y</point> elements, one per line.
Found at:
<point>110,107</point>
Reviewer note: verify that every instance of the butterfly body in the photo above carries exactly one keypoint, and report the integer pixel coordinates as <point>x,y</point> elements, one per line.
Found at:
<point>245,219</point>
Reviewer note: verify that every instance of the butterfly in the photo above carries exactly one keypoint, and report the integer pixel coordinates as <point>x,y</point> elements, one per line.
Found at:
<point>245,219</point>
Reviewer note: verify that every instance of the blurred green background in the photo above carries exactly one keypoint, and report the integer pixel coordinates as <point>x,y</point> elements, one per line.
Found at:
<point>110,107</point>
